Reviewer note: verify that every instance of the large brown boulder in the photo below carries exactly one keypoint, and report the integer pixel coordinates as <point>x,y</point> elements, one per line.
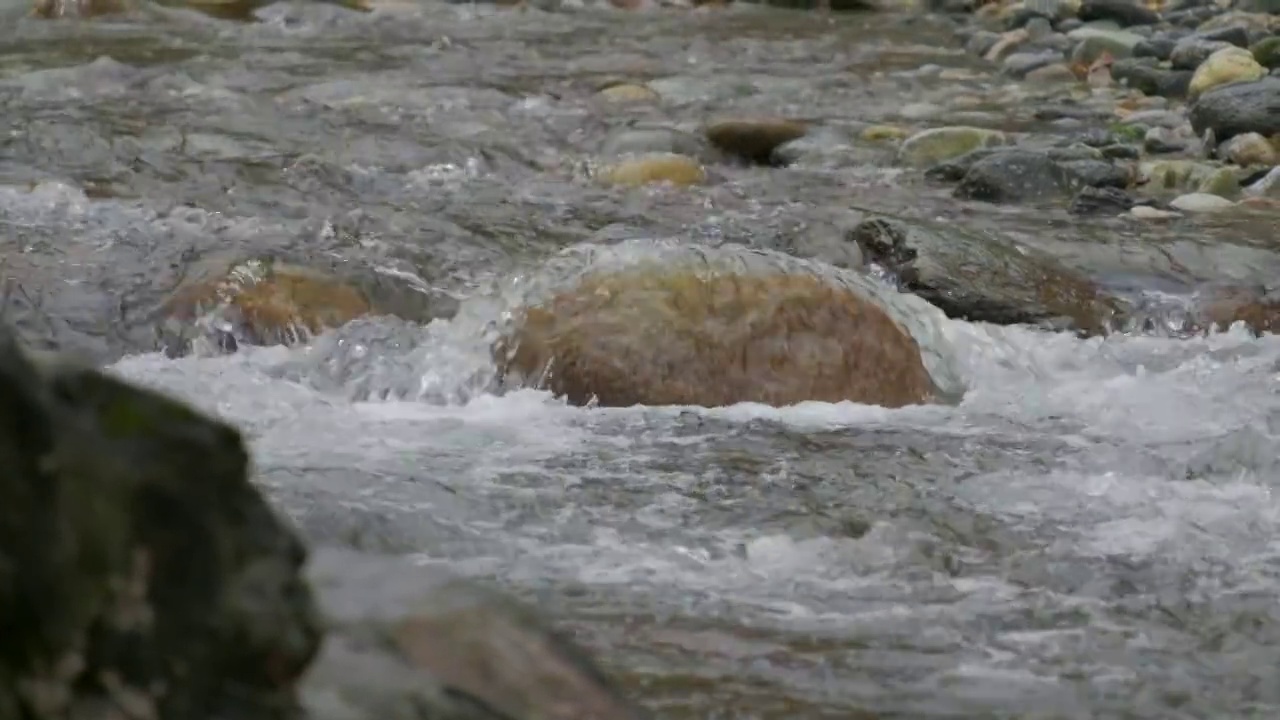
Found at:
<point>141,573</point>
<point>676,337</point>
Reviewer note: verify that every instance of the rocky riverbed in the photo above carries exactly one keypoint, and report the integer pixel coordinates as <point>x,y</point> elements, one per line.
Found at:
<point>315,220</point>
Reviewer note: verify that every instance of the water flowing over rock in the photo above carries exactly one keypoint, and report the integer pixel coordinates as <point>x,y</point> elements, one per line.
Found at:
<point>669,337</point>
<point>655,258</point>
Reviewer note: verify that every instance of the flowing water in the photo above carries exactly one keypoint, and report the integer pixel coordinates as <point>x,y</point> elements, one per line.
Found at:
<point>1090,533</point>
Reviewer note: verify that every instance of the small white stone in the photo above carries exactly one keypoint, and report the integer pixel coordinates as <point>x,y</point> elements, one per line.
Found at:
<point>1147,212</point>
<point>1200,202</point>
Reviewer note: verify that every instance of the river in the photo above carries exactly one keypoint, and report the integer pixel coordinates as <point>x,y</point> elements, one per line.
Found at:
<point>1090,533</point>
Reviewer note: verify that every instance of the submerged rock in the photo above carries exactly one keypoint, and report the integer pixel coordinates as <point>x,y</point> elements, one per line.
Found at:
<point>407,643</point>
<point>653,168</point>
<point>936,145</point>
<point>140,570</point>
<point>262,303</point>
<point>753,140</point>
<point>985,278</point>
<point>625,92</point>
<point>676,337</point>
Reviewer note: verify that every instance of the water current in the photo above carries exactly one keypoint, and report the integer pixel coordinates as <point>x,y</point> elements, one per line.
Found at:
<point>1090,533</point>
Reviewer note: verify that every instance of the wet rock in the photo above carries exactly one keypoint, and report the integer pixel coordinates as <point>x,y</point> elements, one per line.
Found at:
<point>1120,152</point>
<point>930,147</point>
<point>1191,52</point>
<point>753,140</point>
<point>56,9</point>
<point>1098,173</point>
<point>1220,307</point>
<point>1229,65</point>
<point>954,170</point>
<point>642,140</point>
<point>1200,202</point>
<point>1052,10</point>
<point>407,643</point>
<point>1149,212</point>
<point>1022,64</point>
<point>625,92</point>
<point>828,243</point>
<point>1092,43</point>
<point>143,573</point>
<point>830,147</point>
<point>673,337</point>
<point>259,302</point>
<point>1159,46</point>
<point>981,42</point>
<point>1101,201</point>
<point>1057,72</point>
<point>1237,35</point>
<point>1249,149</point>
<point>920,111</point>
<point>1223,182</point>
<point>1160,140</point>
<point>1239,108</point>
<point>1144,75</point>
<point>1174,174</point>
<point>1074,151</point>
<point>984,278</point>
<point>1267,52</point>
<point>221,9</point>
<point>1122,12</point>
<point>878,133</point>
<point>653,168</point>
<point>1266,186</point>
<point>1014,176</point>
<point>1157,118</point>
<point>1008,43</point>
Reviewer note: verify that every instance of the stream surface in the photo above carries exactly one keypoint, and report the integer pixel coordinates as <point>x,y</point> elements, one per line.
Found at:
<point>1091,533</point>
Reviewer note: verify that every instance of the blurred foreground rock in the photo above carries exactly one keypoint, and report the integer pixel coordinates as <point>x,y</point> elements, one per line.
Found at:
<point>677,337</point>
<point>142,575</point>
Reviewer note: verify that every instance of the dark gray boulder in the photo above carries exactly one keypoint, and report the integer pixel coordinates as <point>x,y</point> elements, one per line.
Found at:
<point>982,277</point>
<point>139,568</point>
<point>1239,108</point>
<point>1015,176</point>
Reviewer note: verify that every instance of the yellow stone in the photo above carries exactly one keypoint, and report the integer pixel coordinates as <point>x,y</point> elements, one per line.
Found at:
<point>629,93</point>
<point>654,168</point>
<point>878,133</point>
<point>1228,65</point>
